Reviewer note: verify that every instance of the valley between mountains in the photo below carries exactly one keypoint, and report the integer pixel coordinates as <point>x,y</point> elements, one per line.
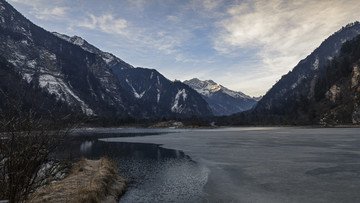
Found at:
<point>79,77</point>
<point>64,100</point>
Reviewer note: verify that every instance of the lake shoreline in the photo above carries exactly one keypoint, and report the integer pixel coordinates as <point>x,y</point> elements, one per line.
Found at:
<point>87,181</point>
<point>278,164</point>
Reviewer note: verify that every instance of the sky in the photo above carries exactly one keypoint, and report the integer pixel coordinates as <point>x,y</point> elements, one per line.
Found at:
<point>245,45</point>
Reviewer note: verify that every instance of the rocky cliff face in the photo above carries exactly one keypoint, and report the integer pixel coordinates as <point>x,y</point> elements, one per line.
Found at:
<point>222,100</point>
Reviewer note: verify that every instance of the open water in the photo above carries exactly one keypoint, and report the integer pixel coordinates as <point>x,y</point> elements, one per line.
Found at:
<point>230,164</point>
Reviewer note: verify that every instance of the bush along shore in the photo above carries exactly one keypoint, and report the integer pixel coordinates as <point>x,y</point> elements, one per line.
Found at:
<point>87,181</point>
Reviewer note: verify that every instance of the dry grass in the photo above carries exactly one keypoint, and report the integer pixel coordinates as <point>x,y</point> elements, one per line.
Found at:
<point>88,181</point>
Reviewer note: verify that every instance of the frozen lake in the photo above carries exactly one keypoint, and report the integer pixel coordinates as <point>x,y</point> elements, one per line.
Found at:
<point>271,164</point>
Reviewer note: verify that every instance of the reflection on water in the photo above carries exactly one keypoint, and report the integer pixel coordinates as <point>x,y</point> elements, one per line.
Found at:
<point>155,174</point>
<point>86,146</point>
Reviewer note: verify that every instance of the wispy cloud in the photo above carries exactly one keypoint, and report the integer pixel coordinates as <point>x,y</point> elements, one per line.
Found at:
<point>27,2</point>
<point>42,10</point>
<point>211,4</point>
<point>282,31</point>
<point>106,23</point>
<point>137,5</point>
<point>164,40</point>
<point>50,13</point>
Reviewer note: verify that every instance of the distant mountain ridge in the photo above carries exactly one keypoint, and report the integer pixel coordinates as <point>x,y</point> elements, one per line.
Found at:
<point>222,100</point>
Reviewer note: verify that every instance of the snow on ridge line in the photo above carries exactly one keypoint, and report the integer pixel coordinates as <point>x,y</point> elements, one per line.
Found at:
<point>234,94</point>
<point>79,41</point>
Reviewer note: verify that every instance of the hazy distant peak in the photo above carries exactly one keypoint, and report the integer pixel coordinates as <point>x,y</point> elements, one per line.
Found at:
<point>222,100</point>
<point>208,87</point>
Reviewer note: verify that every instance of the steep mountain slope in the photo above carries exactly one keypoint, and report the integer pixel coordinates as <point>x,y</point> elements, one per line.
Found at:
<point>75,76</point>
<point>321,89</point>
<point>221,100</point>
<point>337,91</point>
<point>19,97</point>
<point>162,97</point>
<point>287,86</point>
<point>334,96</point>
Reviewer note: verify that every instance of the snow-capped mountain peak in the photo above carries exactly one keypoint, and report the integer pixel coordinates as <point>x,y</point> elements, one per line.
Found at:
<point>209,87</point>
<point>222,100</point>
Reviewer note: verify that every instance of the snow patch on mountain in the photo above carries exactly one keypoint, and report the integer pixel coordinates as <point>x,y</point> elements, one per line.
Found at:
<point>176,108</point>
<point>44,54</point>
<point>300,79</point>
<point>27,77</point>
<point>315,65</point>
<point>17,59</point>
<point>31,64</point>
<point>79,41</point>
<point>62,91</point>
<point>158,96</point>
<point>136,94</point>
